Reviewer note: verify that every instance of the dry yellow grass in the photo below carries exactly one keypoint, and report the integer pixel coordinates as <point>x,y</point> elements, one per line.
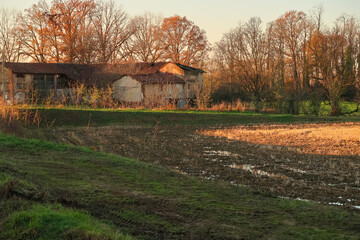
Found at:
<point>327,139</point>
<point>335,133</point>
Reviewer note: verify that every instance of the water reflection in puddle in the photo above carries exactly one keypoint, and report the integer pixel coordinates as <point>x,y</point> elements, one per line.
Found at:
<point>254,169</point>
<point>336,203</point>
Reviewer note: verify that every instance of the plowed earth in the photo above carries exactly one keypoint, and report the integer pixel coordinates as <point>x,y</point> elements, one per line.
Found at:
<point>318,162</point>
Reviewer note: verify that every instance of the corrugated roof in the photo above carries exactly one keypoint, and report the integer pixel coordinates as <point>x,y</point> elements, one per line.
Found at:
<point>158,78</point>
<point>188,68</point>
<point>73,71</point>
<point>68,68</point>
<point>134,68</point>
<point>102,74</point>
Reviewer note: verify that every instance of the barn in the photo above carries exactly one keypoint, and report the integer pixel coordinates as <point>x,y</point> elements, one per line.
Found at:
<point>142,83</point>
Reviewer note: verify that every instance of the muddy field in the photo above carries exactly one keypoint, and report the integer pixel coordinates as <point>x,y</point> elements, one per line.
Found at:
<point>318,162</point>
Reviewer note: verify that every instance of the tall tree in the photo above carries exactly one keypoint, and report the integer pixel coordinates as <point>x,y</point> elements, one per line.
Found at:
<point>317,21</point>
<point>8,39</point>
<point>330,51</point>
<point>276,58</point>
<point>243,55</point>
<point>183,41</point>
<point>255,72</point>
<point>32,32</point>
<point>228,57</point>
<point>146,41</point>
<point>112,29</point>
<point>71,17</point>
<point>290,28</point>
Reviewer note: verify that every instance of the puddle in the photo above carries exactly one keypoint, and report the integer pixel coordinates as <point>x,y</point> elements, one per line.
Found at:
<point>303,200</point>
<point>214,159</point>
<point>336,203</point>
<point>204,174</point>
<point>219,153</point>
<point>330,203</point>
<point>296,170</point>
<point>257,172</point>
<point>211,177</point>
<point>298,199</point>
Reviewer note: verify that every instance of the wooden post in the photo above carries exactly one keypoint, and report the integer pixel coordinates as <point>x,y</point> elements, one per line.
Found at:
<point>11,87</point>
<point>3,71</point>
<point>143,92</point>
<point>55,86</point>
<point>45,91</point>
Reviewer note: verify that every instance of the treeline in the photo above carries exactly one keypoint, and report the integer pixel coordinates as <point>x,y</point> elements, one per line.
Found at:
<point>295,59</point>
<point>292,60</point>
<point>95,31</point>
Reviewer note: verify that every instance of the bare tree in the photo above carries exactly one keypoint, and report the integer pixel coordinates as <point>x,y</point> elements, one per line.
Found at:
<point>317,21</point>
<point>8,39</point>
<point>228,57</point>
<point>244,57</point>
<point>112,29</point>
<point>334,53</point>
<point>87,42</point>
<point>146,42</point>
<point>289,28</point>
<point>317,17</point>
<point>31,32</point>
<point>276,57</point>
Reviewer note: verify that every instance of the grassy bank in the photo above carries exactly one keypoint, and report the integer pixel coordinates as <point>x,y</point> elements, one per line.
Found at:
<point>75,117</point>
<point>93,193</point>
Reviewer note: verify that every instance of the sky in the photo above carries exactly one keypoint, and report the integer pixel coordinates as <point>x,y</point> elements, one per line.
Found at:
<point>217,17</point>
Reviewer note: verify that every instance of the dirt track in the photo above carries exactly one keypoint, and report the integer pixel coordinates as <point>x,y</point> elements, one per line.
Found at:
<point>297,166</point>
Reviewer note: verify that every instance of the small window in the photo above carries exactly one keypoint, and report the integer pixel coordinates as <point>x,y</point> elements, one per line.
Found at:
<point>61,81</point>
<point>20,83</point>
<point>44,82</point>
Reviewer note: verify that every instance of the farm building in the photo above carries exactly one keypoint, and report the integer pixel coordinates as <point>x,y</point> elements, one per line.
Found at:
<point>131,82</point>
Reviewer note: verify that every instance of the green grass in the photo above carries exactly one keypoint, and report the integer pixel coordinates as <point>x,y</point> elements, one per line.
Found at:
<point>100,117</point>
<point>67,192</point>
<point>55,222</point>
<point>325,108</point>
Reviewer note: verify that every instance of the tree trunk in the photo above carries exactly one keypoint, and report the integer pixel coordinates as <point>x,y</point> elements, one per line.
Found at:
<point>257,103</point>
<point>335,107</point>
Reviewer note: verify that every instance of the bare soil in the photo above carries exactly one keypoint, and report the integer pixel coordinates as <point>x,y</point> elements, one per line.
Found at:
<point>318,162</point>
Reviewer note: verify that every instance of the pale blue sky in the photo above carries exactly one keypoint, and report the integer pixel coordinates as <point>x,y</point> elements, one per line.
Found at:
<point>219,16</point>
